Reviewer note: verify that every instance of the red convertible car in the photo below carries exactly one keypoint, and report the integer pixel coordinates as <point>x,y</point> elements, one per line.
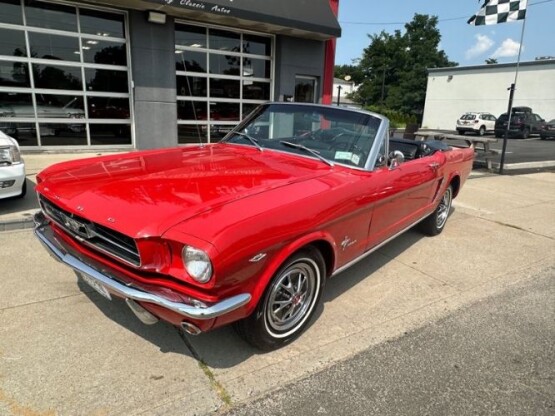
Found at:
<point>248,230</point>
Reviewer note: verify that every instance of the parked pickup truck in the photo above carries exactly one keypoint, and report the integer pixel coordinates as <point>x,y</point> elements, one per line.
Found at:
<point>247,230</point>
<point>523,123</point>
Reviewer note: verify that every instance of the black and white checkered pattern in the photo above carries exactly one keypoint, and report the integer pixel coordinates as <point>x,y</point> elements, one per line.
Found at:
<point>499,11</point>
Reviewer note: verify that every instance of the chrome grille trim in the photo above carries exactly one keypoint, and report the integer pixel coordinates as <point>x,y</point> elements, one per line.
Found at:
<point>95,236</point>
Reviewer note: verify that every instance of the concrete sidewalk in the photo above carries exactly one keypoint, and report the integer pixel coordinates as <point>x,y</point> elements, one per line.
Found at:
<point>66,350</point>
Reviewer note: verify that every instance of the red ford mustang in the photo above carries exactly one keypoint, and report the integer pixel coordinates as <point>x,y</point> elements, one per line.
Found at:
<point>246,230</point>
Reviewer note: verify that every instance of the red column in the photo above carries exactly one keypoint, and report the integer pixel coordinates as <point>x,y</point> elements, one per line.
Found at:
<point>329,62</point>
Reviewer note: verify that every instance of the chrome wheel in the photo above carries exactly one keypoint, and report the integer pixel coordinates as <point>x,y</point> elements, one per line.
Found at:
<point>291,297</point>
<point>288,303</point>
<point>444,208</point>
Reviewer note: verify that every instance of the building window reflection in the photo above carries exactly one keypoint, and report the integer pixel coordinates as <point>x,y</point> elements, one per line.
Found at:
<point>221,76</point>
<point>64,76</point>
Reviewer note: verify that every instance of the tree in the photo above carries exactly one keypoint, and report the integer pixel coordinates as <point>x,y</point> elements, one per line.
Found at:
<point>395,66</point>
<point>341,71</point>
<point>491,61</point>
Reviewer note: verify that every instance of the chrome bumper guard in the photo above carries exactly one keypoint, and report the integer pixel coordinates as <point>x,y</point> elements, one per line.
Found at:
<point>62,253</point>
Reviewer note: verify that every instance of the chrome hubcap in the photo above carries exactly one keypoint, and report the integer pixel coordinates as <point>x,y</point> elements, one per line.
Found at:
<point>443,209</point>
<point>291,296</point>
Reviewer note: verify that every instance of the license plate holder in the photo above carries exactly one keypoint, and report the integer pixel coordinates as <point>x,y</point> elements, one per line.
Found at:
<point>96,286</point>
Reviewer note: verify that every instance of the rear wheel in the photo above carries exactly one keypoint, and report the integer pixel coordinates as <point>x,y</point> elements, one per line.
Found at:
<point>461,132</point>
<point>288,302</point>
<point>525,133</point>
<point>435,223</point>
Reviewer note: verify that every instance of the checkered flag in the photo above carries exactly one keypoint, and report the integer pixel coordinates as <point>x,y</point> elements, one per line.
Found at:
<point>499,11</point>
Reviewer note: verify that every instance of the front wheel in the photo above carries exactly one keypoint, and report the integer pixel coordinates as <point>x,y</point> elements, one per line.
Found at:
<point>525,133</point>
<point>434,224</point>
<point>481,131</point>
<point>288,302</point>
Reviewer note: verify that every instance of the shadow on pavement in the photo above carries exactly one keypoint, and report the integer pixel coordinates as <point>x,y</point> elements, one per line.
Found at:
<point>19,205</point>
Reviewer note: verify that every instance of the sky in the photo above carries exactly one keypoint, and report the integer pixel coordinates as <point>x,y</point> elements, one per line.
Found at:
<point>463,43</point>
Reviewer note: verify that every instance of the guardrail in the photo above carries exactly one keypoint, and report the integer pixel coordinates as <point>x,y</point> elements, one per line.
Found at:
<point>472,141</point>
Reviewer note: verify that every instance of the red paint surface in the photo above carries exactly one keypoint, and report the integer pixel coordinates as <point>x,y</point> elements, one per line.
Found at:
<point>235,202</point>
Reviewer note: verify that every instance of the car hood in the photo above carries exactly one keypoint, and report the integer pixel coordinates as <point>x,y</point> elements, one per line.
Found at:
<point>145,193</point>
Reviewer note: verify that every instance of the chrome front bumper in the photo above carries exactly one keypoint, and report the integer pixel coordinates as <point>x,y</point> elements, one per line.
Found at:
<point>61,252</point>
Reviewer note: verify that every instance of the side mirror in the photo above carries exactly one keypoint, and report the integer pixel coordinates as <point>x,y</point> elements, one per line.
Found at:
<point>395,159</point>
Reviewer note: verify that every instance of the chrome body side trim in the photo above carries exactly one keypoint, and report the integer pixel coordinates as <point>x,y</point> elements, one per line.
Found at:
<point>60,252</point>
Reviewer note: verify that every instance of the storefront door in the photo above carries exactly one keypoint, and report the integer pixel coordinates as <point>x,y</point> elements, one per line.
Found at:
<point>305,89</point>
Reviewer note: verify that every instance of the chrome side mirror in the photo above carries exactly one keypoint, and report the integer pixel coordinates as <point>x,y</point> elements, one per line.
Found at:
<point>395,159</point>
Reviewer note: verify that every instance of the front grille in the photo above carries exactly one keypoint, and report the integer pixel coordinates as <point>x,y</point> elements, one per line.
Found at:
<point>93,235</point>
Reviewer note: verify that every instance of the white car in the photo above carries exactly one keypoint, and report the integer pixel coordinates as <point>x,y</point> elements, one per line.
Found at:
<point>476,122</point>
<point>12,169</point>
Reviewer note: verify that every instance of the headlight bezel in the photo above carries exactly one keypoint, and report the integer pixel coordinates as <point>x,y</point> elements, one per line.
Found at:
<point>13,153</point>
<point>197,263</point>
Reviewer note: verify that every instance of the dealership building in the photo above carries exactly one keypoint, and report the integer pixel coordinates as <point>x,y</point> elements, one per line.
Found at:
<point>138,74</point>
<point>454,91</point>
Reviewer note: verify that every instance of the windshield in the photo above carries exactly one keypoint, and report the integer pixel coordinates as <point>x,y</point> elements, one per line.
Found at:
<point>331,134</point>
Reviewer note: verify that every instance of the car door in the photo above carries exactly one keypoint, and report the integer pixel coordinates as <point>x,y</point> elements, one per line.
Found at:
<point>406,194</point>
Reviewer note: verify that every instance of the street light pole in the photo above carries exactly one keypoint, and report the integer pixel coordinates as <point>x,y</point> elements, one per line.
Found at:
<point>338,95</point>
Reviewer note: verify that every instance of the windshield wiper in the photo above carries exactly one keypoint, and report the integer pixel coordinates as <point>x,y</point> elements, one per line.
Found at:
<point>250,139</point>
<point>306,149</point>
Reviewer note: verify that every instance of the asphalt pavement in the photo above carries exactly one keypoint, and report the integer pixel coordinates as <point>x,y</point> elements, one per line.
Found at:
<point>65,350</point>
<point>495,357</point>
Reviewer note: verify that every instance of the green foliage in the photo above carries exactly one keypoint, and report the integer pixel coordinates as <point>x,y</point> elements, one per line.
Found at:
<point>396,118</point>
<point>341,71</point>
<point>394,67</point>
<point>491,61</point>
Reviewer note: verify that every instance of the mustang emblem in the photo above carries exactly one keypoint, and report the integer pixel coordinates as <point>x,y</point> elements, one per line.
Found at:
<point>75,226</point>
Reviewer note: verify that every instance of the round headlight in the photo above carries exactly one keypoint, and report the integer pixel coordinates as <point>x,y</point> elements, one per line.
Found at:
<point>197,263</point>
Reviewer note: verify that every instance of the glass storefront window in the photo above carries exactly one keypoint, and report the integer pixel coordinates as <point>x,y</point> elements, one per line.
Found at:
<point>255,90</point>
<point>61,134</point>
<point>190,61</point>
<point>60,48</point>
<point>259,68</point>
<point>106,80</point>
<point>225,88</point>
<point>191,86</point>
<point>257,45</point>
<point>50,16</point>
<point>191,36</point>
<point>224,111</point>
<point>219,131</point>
<point>11,101</point>
<point>192,110</point>
<point>231,67</point>
<point>12,42</point>
<point>24,133</point>
<point>103,52</point>
<point>108,107</point>
<point>223,40</point>
<point>11,12</point>
<point>53,105</point>
<point>197,133</point>
<point>57,77</point>
<point>59,106</point>
<point>14,74</point>
<point>101,23</point>
<point>225,64</point>
<point>110,134</point>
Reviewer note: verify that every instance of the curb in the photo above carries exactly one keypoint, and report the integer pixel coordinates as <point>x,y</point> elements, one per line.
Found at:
<point>14,225</point>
